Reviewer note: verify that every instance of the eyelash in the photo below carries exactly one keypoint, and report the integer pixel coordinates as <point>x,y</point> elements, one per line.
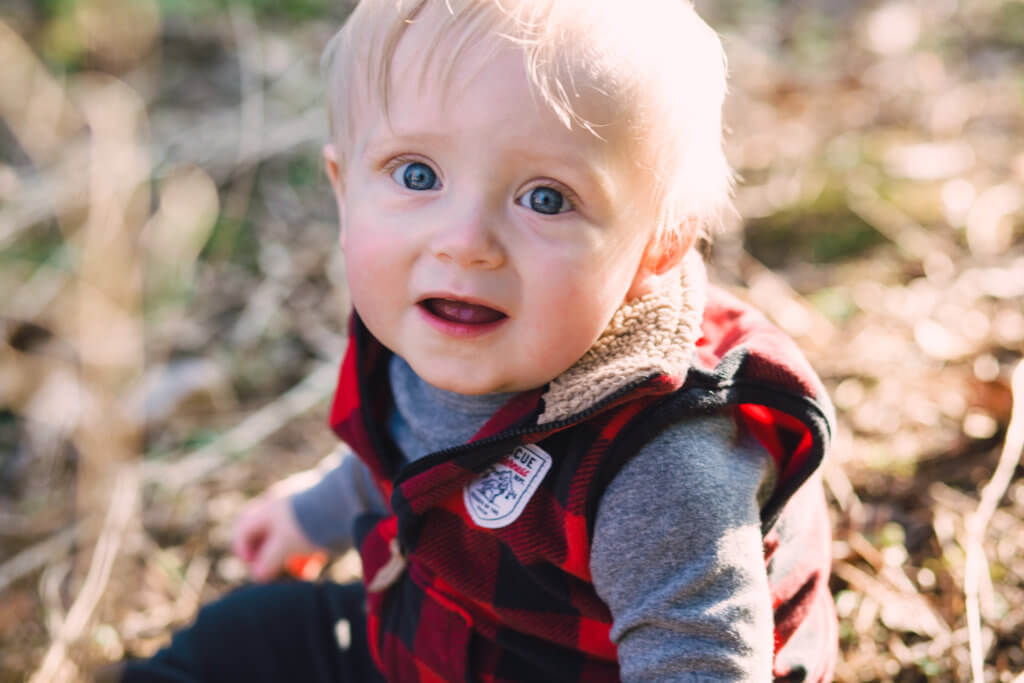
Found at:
<point>396,162</point>
<point>568,195</point>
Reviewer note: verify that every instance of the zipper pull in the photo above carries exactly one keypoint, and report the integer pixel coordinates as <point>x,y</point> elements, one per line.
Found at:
<point>390,571</point>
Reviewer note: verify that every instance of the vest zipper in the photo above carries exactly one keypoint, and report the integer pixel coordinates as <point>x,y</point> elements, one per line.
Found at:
<point>426,462</point>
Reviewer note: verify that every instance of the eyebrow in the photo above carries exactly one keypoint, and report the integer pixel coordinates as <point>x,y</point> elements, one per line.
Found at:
<point>571,170</point>
<point>381,140</point>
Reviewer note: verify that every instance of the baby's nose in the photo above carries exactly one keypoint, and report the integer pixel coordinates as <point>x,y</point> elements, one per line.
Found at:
<point>470,242</point>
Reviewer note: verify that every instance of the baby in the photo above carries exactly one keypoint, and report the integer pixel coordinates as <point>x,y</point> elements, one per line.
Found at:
<point>570,459</point>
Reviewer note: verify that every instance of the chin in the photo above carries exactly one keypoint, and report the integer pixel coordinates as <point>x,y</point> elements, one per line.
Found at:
<point>462,381</point>
<point>461,385</point>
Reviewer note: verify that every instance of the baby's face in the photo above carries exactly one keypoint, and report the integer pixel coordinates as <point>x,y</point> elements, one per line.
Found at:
<point>486,243</point>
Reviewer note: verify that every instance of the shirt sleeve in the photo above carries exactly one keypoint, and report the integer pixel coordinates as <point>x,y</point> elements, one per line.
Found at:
<point>677,555</point>
<point>326,510</point>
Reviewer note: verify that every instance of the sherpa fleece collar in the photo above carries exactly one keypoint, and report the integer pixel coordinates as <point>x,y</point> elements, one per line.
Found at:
<point>653,335</point>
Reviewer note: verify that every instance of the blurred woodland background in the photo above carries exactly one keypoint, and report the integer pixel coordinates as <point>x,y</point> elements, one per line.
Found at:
<point>172,305</point>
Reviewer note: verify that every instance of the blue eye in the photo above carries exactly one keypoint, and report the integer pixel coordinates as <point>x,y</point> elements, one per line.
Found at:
<point>415,175</point>
<point>546,200</point>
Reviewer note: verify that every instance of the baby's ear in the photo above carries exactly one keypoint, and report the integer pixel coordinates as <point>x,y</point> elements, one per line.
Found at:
<point>333,168</point>
<point>666,250</point>
<point>331,165</point>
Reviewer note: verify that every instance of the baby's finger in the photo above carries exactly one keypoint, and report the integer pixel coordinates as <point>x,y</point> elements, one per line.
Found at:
<point>267,562</point>
<point>247,541</point>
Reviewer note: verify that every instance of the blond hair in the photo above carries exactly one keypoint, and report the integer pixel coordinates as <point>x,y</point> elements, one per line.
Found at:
<point>655,61</point>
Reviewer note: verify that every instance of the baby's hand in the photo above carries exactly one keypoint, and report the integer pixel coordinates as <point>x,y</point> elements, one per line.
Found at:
<point>267,534</point>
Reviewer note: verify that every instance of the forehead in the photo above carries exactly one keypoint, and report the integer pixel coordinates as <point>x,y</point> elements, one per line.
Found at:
<point>482,108</point>
<point>440,53</point>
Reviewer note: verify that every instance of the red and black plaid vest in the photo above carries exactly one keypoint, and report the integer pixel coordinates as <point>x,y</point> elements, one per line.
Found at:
<point>452,601</point>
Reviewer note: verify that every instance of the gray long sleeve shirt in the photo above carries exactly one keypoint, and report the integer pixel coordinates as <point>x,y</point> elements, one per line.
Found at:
<point>677,549</point>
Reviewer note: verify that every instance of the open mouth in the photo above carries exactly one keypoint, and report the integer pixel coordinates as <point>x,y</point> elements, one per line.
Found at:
<point>461,312</point>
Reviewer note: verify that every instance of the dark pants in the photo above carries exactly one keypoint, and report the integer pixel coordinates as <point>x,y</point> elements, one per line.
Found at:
<point>290,631</point>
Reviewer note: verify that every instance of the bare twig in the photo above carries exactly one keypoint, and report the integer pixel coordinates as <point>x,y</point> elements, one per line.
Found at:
<point>192,587</point>
<point>925,620</point>
<point>33,103</point>
<point>193,466</point>
<point>51,580</point>
<point>947,496</point>
<point>839,483</point>
<point>119,515</point>
<point>36,556</point>
<point>250,59</point>
<point>787,308</point>
<point>24,526</point>
<point>887,218</point>
<point>212,142</point>
<point>33,296</point>
<point>177,473</point>
<point>977,564</point>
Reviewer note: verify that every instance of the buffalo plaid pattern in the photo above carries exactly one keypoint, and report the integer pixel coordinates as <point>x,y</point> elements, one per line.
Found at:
<point>517,603</point>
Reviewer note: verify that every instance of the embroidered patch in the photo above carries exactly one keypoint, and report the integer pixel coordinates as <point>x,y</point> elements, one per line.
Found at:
<point>498,496</point>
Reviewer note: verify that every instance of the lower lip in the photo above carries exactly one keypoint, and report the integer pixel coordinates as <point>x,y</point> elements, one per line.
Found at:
<point>460,330</point>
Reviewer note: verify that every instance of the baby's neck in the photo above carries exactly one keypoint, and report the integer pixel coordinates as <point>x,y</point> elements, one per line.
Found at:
<point>427,419</point>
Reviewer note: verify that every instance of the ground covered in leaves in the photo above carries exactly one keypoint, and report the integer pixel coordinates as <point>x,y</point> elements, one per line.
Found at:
<point>170,295</point>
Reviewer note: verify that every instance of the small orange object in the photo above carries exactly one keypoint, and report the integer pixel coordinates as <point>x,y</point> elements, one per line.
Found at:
<point>306,567</point>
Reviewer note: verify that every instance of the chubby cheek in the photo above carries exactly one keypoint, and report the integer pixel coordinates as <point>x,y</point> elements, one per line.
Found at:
<point>569,317</point>
<point>374,279</point>
<point>374,243</point>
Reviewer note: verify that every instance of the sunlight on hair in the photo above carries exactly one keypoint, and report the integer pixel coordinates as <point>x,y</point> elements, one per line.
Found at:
<point>648,77</point>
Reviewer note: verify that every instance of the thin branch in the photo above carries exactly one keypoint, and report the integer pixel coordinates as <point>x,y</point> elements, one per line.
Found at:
<point>770,292</point>
<point>839,483</point>
<point>977,524</point>
<point>122,508</point>
<point>37,555</point>
<point>945,495</point>
<point>193,466</point>
<point>175,474</point>
<point>192,587</point>
<point>913,239</point>
<point>925,620</point>
<point>250,63</point>
<point>212,143</point>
